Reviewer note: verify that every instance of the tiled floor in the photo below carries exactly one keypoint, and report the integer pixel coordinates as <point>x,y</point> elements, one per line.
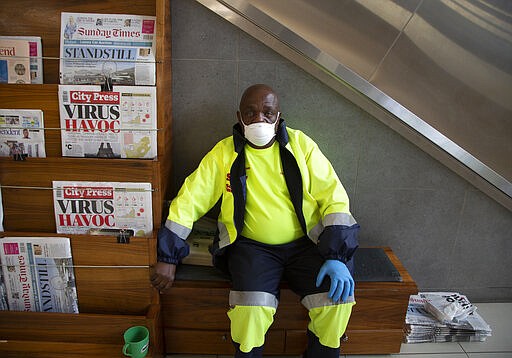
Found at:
<point>498,315</point>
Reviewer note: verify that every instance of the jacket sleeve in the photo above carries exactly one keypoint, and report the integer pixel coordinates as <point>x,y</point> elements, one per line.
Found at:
<point>339,238</point>
<point>198,194</point>
<point>171,248</point>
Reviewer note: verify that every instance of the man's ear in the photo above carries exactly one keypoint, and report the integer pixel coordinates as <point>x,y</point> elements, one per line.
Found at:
<point>239,117</point>
<point>277,121</point>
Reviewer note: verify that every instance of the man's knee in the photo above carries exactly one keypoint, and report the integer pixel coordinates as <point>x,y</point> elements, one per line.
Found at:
<point>251,315</point>
<point>249,324</point>
<point>328,320</point>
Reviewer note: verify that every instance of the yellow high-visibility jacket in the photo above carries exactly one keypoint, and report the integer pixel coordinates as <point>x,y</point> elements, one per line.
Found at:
<point>319,199</point>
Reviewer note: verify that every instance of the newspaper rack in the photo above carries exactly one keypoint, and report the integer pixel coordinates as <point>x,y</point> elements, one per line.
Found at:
<point>101,268</point>
<point>112,280</point>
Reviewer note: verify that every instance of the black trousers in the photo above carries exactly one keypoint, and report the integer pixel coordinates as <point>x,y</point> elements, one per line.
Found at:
<point>254,266</point>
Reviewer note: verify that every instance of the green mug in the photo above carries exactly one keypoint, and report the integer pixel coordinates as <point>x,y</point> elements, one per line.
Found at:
<point>136,340</point>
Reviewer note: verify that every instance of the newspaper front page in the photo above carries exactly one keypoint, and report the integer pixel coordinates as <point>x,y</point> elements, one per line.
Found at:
<point>38,274</point>
<point>117,124</point>
<point>96,46</point>
<point>14,61</point>
<point>21,132</point>
<point>84,206</point>
<point>36,56</point>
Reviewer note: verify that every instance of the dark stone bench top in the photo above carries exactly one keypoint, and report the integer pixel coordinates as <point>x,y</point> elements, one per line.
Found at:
<point>371,265</point>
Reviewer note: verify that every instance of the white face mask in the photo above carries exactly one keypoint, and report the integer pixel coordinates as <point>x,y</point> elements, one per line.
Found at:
<point>261,133</point>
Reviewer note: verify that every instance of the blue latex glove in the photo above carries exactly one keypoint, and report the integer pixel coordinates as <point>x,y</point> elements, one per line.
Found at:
<point>342,283</point>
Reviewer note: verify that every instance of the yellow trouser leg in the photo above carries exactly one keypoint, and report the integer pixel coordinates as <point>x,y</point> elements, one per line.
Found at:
<point>328,323</point>
<point>249,324</point>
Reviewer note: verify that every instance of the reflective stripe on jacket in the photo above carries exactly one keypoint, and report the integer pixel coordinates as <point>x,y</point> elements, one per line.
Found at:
<point>320,201</point>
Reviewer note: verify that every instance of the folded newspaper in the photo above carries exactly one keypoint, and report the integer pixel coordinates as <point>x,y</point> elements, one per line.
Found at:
<point>448,306</point>
<point>38,274</point>
<point>423,327</point>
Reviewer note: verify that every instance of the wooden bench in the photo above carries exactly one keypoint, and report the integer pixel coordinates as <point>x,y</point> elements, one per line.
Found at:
<point>195,320</point>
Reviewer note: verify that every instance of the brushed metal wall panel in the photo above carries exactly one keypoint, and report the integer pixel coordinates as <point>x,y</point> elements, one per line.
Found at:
<point>357,34</point>
<point>454,70</point>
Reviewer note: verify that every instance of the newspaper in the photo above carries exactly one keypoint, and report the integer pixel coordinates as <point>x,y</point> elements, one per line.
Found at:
<point>1,211</point>
<point>200,241</point>
<point>38,274</point>
<point>199,251</point>
<point>36,56</point>
<point>4,306</point>
<point>21,132</point>
<point>422,327</point>
<point>3,290</point>
<point>448,306</point>
<point>94,47</point>
<point>84,206</point>
<point>14,61</point>
<point>117,124</point>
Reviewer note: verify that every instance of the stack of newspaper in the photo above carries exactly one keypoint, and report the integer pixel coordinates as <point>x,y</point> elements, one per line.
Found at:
<point>440,317</point>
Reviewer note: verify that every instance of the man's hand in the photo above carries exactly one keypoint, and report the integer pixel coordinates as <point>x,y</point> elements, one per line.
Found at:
<point>163,276</point>
<point>342,283</point>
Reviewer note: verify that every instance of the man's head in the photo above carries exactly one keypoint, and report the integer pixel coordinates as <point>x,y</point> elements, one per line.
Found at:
<point>258,115</point>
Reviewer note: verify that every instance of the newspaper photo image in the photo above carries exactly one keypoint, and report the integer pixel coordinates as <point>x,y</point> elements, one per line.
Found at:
<point>38,274</point>
<point>94,47</point>
<point>84,206</point>
<point>21,132</point>
<point>117,124</point>
<point>14,61</point>
<point>35,53</point>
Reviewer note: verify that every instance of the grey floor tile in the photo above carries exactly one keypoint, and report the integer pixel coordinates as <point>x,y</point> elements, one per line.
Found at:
<point>430,348</point>
<point>490,355</point>
<point>431,355</point>
<point>191,356</point>
<point>272,356</point>
<point>413,355</point>
<point>499,317</point>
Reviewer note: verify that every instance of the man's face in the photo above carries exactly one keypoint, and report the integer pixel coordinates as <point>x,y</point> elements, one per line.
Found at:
<point>258,105</point>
